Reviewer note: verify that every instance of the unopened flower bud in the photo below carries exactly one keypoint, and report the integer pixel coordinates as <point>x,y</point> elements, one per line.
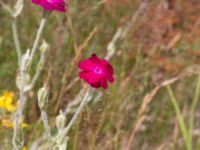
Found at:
<point>40,65</point>
<point>60,121</point>
<point>42,97</point>
<point>22,80</point>
<point>44,47</point>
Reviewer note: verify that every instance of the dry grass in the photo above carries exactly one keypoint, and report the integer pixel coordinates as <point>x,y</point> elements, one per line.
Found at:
<point>151,44</point>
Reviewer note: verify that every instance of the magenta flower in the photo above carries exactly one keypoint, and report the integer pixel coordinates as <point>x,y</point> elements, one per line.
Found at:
<point>96,71</point>
<point>51,4</point>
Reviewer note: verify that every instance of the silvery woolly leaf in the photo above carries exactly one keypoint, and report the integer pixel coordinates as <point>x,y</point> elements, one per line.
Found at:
<point>63,146</point>
<point>25,60</point>
<point>18,8</point>
<point>42,97</point>
<point>6,7</point>
<point>22,80</point>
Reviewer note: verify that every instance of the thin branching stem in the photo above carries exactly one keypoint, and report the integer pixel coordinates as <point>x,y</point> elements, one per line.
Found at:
<point>37,73</point>
<point>16,38</point>
<point>18,134</point>
<point>37,39</point>
<point>45,123</point>
<point>78,111</point>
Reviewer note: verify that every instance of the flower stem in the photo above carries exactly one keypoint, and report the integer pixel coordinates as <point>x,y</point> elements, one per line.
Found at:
<point>16,38</point>
<point>78,111</point>
<point>18,133</point>
<point>45,123</point>
<point>37,73</point>
<point>37,39</point>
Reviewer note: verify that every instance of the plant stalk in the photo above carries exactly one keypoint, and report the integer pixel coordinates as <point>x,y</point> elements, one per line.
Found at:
<point>37,39</point>
<point>194,105</point>
<point>16,38</point>
<point>179,116</point>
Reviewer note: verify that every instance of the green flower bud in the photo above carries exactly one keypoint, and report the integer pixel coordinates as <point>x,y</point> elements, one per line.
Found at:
<point>60,121</point>
<point>22,80</point>
<point>42,97</point>
<point>44,47</point>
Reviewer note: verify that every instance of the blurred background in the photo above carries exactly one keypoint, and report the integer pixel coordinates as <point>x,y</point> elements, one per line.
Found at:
<point>157,40</point>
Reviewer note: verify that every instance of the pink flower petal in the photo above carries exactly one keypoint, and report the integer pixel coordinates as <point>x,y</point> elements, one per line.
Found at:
<point>86,64</point>
<point>96,85</point>
<point>51,4</point>
<point>111,79</point>
<point>46,5</point>
<point>36,1</point>
<point>108,69</point>
<point>90,77</point>
<point>104,83</point>
<point>96,71</point>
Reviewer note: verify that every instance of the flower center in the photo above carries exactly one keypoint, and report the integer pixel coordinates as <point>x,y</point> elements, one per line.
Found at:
<point>98,71</point>
<point>50,1</point>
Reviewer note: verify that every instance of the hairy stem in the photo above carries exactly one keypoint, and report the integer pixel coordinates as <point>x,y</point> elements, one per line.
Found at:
<point>45,123</point>
<point>37,73</point>
<point>16,38</point>
<point>78,111</point>
<point>18,133</point>
<point>37,39</point>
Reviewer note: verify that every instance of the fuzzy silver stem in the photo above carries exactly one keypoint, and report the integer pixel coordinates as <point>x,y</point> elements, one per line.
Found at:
<point>45,123</point>
<point>18,134</point>
<point>37,39</point>
<point>16,38</point>
<point>37,74</point>
<point>78,111</point>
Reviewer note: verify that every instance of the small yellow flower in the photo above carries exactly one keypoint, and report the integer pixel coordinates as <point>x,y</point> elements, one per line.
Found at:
<point>11,108</point>
<point>24,125</point>
<point>24,148</point>
<point>8,94</point>
<point>1,101</point>
<point>6,102</point>
<point>9,124</point>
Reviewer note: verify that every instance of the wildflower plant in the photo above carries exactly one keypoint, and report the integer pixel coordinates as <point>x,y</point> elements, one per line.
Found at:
<point>97,75</point>
<point>8,106</point>
<point>95,71</point>
<point>7,102</point>
<point>24,81</point>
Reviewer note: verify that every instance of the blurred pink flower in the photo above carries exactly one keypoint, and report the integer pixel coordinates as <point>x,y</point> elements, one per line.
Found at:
<point>96,71</point>
<point>59,5</point>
